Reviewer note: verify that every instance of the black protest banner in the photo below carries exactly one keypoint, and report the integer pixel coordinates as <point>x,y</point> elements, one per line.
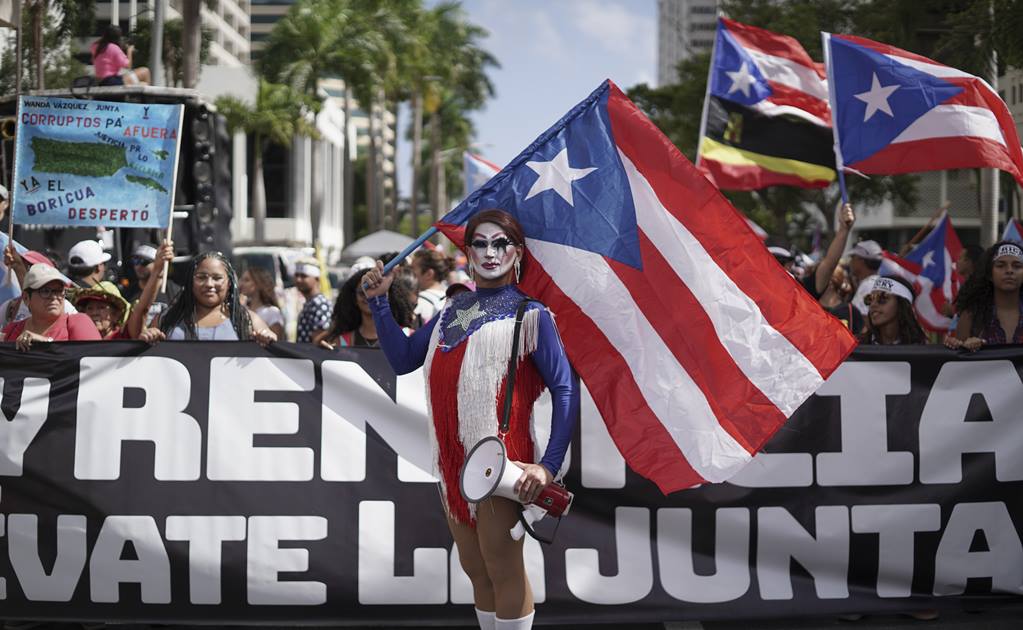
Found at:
<point>220,482</point>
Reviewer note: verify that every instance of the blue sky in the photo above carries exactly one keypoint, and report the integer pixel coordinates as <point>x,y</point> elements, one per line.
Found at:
<point>553,53</point>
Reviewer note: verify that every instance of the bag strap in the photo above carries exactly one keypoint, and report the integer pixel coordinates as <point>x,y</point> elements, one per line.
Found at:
<point>513,367</point>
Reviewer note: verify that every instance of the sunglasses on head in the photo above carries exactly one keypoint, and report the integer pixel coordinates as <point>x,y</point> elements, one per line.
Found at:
<point>880,298</point>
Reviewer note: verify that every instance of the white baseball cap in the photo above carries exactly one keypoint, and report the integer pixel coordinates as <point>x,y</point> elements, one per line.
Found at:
<point>39,275</point>
<point>3,192</point>
<point>87,254</point>
<point>868,250</point>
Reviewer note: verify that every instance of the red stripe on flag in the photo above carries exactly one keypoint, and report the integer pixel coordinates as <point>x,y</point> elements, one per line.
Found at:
<point>635,429</point>
<point>679,319</point>
<point>937,154</point>
<point>771,44</point>
<point>885,49</point>
<point>787,95</point>
<point>701,208</point>
<point>735,177</point>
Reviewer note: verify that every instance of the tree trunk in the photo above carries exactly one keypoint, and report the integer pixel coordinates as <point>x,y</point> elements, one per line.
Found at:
<point>348,174</point>
<point>39,12</point>
<point>435,166</point>
<point>191,36</point>
<point>258,192</point>
<point>393,199</point>
<point>373,218</point>
<point>417,159</point>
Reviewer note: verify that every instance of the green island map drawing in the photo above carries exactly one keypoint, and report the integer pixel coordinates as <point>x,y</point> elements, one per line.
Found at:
<point>85,159</point>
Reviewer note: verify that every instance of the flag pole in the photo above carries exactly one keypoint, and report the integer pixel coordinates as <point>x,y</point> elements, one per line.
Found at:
<point>833,101</point>
<point>706,97</point>
<point>394,262</point>
<point>17,118</point>
<point>173,189</point>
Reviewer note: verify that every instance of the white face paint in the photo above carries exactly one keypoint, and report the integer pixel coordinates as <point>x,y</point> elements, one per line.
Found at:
<point>492,252</point>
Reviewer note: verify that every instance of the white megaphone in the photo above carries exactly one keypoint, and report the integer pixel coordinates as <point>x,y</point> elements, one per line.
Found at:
<point>488,472</point>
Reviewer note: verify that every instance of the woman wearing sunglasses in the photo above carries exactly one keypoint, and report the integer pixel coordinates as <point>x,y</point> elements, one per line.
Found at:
<point>466,350</point>
<point>44,290</point>
<point>890,318</point>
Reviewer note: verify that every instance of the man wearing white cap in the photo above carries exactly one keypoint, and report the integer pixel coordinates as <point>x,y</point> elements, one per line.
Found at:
<point>864,262</point>
<point>87,263</point>
<point>315,315</point>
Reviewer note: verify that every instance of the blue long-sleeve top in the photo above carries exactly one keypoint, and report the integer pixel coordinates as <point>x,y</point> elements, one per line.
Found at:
<point>408,353</point>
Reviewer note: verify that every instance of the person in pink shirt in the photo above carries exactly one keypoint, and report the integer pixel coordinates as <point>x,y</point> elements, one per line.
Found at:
<point>112,65</point>
<point>44,290</point>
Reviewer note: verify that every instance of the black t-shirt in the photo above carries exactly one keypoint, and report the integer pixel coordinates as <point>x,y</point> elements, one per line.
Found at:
<point>848,315</point>
<point>809,283</point>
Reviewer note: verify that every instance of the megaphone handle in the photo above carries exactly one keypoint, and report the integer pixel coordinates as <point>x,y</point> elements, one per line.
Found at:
<point>533,533</point>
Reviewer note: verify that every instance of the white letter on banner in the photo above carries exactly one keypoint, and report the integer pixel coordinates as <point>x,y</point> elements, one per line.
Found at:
<point>428,583</point>
<point>152,569</point>
<point>945,435</point>
<point>267,560</point>
<point>635,576</point>
<point>351,398</point>
<point>17,434</point>
<point>954,563</point>
<point>461,587</point>
<point>780,538</point>
<point>602,466</point>
<point>731,579</point>
<point>104,422</point>
<point>235,417</point>
<point>23,549</point>
<point>865,459</point>
<point>895,526</point>
<point>205,536</point>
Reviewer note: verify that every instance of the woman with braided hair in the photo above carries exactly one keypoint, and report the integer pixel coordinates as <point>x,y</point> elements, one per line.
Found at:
<point>990,304</point>
<point>210,309</point>
<point>465,351</point>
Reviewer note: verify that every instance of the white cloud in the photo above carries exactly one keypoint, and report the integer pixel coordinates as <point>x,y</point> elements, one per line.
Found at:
<point>615,25</point>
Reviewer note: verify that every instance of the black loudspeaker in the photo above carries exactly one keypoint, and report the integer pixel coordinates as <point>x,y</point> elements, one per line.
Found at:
<point>209,150</point>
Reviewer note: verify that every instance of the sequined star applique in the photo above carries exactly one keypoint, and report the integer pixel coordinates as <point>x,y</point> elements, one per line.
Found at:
<point>467,316</point>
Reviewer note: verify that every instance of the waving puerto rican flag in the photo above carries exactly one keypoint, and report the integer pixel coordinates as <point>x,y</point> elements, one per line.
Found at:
<point>477,171</point>
<point>898,112</point>
<point>930,267</point>
<point>695,344</point>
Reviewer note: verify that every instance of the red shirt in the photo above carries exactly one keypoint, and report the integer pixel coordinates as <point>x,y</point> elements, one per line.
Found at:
<point>74,327</point>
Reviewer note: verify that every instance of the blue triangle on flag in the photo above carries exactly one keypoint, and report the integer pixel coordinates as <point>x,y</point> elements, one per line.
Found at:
<point>602,216</point>
<point>930,254</point>
<point>735,75</point>
<point>866,127</point>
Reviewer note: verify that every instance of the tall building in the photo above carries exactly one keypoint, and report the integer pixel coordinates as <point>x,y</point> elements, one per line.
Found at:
<point>265,14</point>
<point>684,27</point>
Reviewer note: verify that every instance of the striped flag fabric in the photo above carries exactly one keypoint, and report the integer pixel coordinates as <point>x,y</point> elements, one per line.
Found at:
<point>9,287</point>
<point>899,112</point>
<point>930,268</point>
<point>766,119</point>
<point>695,344</point>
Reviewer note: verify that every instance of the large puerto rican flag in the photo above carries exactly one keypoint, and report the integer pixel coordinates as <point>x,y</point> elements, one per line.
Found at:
<point>930,267</point>
<point>898,112</point>
<point>695,344</point>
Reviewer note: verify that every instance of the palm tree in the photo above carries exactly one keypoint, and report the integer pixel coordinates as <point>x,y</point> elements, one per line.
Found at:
<point>279,114</point>
<point>64,16</point>
<point>191,36</point>
<point>318,39</point>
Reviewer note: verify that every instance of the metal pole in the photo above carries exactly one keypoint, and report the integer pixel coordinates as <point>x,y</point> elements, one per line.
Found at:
<point>115,11</point>
<point>133,9</point>
<point>156,45</point>
<point>12,191</point>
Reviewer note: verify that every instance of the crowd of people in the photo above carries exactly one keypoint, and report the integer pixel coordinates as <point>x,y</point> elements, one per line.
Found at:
<point>215,303</point>
<point>219,303</point>
<point>879,309</point>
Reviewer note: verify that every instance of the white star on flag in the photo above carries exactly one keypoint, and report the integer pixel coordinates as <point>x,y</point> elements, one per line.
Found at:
<point>928,259</point>
<point>467,316</point>
<point>556,175</point>
<point>877,98</point>
<point>741,80</point>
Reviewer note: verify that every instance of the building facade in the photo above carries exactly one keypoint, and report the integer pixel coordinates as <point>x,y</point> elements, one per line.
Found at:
<point>684,28</point>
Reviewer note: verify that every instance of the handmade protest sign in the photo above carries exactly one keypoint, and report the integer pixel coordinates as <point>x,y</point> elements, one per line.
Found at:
<point>87,163</point>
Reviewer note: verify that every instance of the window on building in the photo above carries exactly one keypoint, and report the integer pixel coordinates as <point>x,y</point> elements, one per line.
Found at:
<point>703,10</point>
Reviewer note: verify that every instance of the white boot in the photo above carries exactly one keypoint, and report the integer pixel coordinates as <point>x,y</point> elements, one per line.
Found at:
<point>522,623</point>
<point>487,620</point>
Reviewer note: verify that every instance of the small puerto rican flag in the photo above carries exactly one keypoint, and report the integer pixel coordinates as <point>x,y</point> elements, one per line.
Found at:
<point>898,112</point>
